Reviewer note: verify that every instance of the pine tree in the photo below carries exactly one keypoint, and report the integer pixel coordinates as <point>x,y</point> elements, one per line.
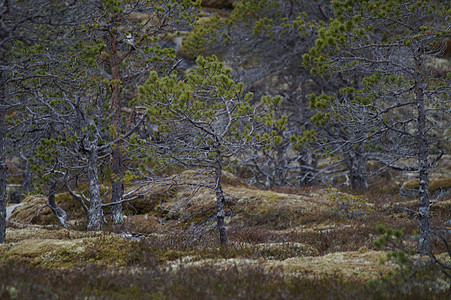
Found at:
<point>206,122</point>
<point>397,108</point>
<point>29,34</point>
<point>132,34</point>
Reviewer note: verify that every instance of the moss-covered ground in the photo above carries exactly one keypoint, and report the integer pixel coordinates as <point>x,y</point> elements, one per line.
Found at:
<point>310,243</point>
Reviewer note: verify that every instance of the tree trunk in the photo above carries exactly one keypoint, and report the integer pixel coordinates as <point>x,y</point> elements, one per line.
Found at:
<point>220,201</point>
<point>3,166</point>
<point>423,165</point>
<point>357,169</point>
<point>27,185</point>
<point>280,167</point>
<point>117,189</point>
<point>307,170</point>
<point>60,214</point>
<point>95,212</point>
<point>117,192</point>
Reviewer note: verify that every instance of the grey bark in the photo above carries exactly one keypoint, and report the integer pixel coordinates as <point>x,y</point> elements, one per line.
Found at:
<point>117,196</point>
<point>117,188</point>
<point>423,165</point>
<point>220,201</point>
<point>357,169</point>
<point>60,214</point>
<point>95,212</point>
<point>3,166</point>
<point>27,185</point>
<point>308,170</point>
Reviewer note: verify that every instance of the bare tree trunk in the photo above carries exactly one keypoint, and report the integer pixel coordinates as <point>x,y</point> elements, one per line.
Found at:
<point>117,189</point>
<point>3,166</point>
<point>220,201</point>
<point>118,169</point>
<point>95,212</point>
<point>27,185</point>
<point>60,214</point>
<point>357,168</point>
<point>423,151</point>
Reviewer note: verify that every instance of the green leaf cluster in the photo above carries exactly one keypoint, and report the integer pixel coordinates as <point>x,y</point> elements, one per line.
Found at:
<point>212,105</point>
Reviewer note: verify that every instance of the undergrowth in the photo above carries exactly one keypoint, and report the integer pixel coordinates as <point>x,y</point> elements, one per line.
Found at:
<point>21,281</point>
<point>111,267</point>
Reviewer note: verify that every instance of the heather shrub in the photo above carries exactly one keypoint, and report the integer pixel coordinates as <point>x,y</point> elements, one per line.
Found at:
<point>349,205</point>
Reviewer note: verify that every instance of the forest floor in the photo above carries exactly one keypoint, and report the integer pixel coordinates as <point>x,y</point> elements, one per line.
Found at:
<point>287,243</point>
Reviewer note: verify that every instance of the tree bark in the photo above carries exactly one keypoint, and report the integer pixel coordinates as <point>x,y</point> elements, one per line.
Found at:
<point>220,201</point>
<point>95,212</point>
<point>117,189</point>
<point>307,173</point>
<point>3,166</point>
<point>27,185</point>
<point>117,166</point>
<point>357,168</point>
<point>60,214</point>
<point>423,165</point>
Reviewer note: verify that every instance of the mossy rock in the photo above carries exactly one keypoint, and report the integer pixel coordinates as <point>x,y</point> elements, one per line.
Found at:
<point>44,251</point>
<point>410,188</point>
<point>65,248</point>
<point>346,265</point>
<point>29,232</point>
<point>285,250</point>
<point>145,223</point>
<point>151,202</point>
<point>35,211</point>
<point>194,176</point>
<point>251,206</point>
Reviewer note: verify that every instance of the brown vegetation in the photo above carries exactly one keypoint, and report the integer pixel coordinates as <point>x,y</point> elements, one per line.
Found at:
<point>282,245</point>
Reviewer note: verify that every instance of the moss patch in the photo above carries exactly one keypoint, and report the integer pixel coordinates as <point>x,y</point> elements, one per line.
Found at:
<point>35,211</point>
<point>346,265</point>
<point>434,184</point>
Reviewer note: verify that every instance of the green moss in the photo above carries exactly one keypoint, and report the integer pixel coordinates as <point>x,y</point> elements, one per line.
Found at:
<point>434,184</point>
<point>170,255</point>
<point>50,253</point>
<point>35,211</point>
<point>152,201</point>
<point>108,250</point>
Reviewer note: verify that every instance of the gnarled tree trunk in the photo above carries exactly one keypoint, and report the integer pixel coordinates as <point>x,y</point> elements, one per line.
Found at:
<point>60,214</point>
<point>308,170</point>
<point>357,169</point>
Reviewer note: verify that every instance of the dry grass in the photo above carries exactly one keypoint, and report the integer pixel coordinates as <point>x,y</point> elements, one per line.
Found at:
<point>287,244</point>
